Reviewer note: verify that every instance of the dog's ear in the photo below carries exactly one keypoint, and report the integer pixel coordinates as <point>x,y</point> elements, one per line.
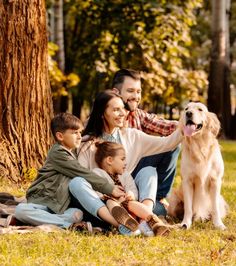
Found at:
<point>181,121</point>
<point>213,123</point>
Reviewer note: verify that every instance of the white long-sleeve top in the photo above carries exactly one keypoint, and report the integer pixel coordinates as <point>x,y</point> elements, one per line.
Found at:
<point>137,144</point>
<point>126,181</point>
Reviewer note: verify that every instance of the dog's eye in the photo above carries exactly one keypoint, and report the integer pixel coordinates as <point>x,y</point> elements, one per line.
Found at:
<point>199,109</point>
<point>186,109</point>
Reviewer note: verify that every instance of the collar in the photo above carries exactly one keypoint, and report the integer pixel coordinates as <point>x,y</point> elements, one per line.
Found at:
<point>114,137</point>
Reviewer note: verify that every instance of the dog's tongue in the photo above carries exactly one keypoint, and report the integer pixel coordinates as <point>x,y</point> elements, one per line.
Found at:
<point>189,130</point>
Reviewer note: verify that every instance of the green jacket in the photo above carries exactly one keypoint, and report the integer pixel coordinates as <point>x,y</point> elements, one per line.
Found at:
<point>51,187</point>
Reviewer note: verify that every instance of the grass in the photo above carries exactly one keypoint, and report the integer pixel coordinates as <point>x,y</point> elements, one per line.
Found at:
<point>201,245</point>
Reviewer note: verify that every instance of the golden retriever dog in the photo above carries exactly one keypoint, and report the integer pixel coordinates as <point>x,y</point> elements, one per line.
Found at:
<point>202,169</point>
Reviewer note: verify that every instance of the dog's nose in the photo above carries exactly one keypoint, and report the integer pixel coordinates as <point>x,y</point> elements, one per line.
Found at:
<point>189,114</point>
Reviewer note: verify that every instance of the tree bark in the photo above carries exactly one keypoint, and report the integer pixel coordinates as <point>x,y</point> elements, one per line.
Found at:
<point>219,87</point>
<point>61,102</point>
<point>25,96</point>
<point>59,33</point>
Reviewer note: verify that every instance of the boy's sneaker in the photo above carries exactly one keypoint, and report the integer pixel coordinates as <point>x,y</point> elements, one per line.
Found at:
<point>145,229</point>
<point>127,232</point>
<point>85,227</point>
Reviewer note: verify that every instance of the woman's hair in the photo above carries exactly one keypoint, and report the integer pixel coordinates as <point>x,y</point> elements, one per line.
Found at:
<point>105,149</point>
<point>95,124</point>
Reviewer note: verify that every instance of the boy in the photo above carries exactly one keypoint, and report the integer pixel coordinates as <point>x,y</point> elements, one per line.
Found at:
<point>49,195</point>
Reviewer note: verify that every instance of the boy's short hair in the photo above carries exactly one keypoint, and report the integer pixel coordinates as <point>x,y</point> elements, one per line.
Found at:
<point>64,121</point>
<point>120,75</point>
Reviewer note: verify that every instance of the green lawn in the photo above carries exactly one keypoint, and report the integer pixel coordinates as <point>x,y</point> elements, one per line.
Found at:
<point>201,245</point>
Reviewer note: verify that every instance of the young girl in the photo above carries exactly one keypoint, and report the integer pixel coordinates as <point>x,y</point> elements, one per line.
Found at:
<point>110,157</point>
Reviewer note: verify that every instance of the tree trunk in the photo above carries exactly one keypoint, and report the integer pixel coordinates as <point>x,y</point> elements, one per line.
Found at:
<point>227,115</point>
<point>219,87</point>
<point>60,56</point>
<point>77,105</point>
<point>25,97</point>
<point>59,33</point>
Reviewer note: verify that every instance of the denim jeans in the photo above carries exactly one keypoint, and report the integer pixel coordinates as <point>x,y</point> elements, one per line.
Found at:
<point>86,196</point>
<point>36,214</point>
<point>165,165</point>
<point>146,182</point>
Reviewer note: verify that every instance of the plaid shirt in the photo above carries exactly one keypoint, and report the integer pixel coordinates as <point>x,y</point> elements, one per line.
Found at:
<point>150,123</point>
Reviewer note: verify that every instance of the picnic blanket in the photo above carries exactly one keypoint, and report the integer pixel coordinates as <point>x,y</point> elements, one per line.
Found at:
<point>47,228</point>
<point>8,204</point>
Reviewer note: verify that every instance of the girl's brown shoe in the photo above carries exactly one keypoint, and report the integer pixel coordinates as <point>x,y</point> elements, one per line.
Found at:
<point>123,217</point>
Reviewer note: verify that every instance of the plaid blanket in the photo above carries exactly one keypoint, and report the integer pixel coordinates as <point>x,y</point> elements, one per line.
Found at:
<point>7,210</point>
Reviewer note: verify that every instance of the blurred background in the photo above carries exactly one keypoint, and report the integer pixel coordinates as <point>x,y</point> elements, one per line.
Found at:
<point>177,45</point>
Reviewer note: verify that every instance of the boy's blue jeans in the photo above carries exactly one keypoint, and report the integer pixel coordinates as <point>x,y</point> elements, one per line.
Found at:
<point>36,214</point>
<point>81,190</point>
<point>86,196</point>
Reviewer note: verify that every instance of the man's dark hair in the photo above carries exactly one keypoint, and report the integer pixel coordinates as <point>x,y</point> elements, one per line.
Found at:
<point>120,75</point>
<point>64,121</point>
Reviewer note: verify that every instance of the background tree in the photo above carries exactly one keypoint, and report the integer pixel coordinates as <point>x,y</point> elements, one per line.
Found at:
<point>153,36</point>
<point>169,40</point>
<point>25,98</point>
<point>219,100</point>
<point>233,66</point>
<point>60,82</point>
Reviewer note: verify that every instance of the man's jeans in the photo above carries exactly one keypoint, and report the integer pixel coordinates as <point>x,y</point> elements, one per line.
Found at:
<point>146,181</point>
<point>165,169</point>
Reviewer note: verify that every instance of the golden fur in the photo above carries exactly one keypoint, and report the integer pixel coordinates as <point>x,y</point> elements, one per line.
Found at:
<point>202,169</point>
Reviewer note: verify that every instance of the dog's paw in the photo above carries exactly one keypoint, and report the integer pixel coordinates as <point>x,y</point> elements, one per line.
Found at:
<point>185,225</point>
<point>220,226</point>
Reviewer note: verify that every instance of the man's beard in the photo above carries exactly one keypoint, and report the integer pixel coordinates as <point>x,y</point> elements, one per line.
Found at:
<point>128,108</point>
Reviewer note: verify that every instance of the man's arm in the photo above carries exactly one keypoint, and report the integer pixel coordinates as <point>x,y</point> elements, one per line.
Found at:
<point>152,124</point>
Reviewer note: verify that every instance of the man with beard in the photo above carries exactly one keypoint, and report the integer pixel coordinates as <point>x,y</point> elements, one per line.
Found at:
<point>127,83</point>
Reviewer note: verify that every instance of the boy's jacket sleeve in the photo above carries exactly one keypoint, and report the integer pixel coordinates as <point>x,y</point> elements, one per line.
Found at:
<point>66,163</point>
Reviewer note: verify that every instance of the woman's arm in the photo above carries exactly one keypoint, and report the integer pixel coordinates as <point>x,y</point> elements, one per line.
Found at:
<point>145,145</point>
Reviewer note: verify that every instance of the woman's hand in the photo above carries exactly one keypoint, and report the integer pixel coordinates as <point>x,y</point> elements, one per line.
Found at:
<point>118,191</point>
